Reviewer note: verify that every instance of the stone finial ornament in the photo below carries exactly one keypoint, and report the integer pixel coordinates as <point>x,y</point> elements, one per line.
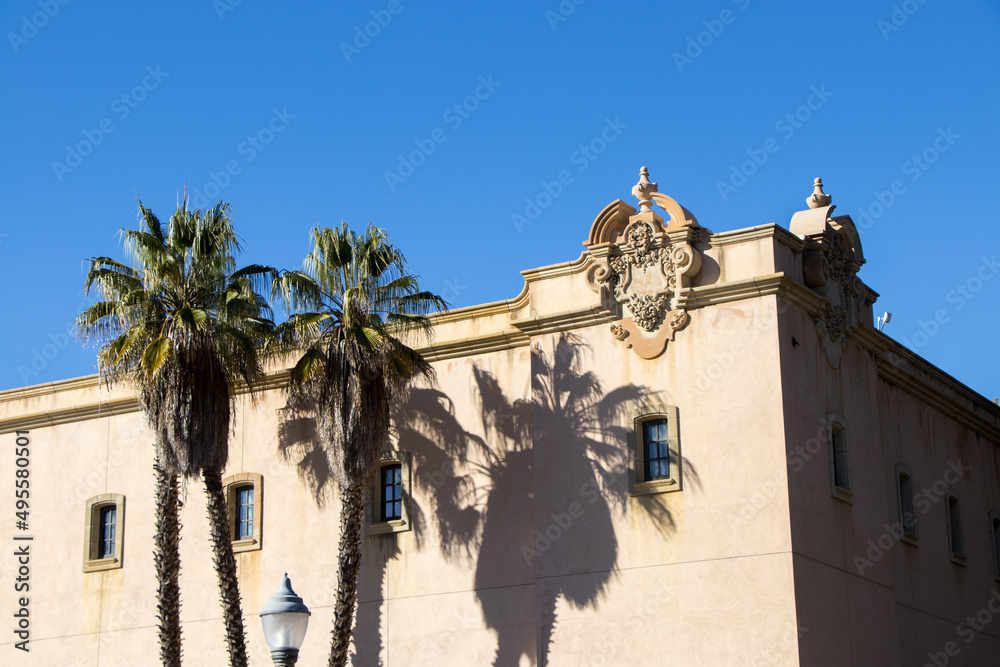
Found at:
<point>643,191</point>
<point>818,199</point>
<point>611,222</point>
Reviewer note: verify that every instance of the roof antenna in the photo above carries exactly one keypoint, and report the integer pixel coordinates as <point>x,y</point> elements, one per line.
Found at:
<point>882,321</point>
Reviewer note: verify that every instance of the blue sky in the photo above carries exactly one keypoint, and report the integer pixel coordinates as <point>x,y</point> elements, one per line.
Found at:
<point>445,122</point>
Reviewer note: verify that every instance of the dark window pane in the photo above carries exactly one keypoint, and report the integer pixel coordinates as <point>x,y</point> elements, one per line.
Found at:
<point>955,520</point>
<point>657,449</point>
<point>996,545</point>
<point>841,472</point>
<point>392,492</point>
<point>244,513</point>
<point>106,543</point>
<point>906,504</point>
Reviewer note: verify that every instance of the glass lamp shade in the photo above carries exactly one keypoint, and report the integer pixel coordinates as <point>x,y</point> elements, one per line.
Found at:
<point>285,618</point>
<point>285,630</point>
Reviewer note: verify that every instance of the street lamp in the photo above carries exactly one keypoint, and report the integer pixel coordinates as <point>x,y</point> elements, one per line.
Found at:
<point>285,620</point>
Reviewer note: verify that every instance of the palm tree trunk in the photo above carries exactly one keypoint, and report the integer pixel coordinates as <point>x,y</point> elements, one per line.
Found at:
<point>352,515</point>
<point>167,561</point>
<point>225,567</point>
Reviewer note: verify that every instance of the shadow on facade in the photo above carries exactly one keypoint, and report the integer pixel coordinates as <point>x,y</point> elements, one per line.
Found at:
<point>533,542</point>
<point>298,444</point>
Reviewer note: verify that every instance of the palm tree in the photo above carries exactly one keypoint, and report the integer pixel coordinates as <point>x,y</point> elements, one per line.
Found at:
<point>184,328</point>
<point>352,308</point>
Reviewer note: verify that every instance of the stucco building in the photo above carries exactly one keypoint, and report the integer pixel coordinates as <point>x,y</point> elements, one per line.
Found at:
<point>680,448</point>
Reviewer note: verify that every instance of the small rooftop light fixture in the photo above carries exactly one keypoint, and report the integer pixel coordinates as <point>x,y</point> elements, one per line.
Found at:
<point>884,320</point>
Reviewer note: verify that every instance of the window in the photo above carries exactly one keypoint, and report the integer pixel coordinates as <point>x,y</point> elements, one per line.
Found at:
<point>657,446</point>
<point>995,535</point>
<point>392,492</point>
<point>104,521</point>
<point>654,450</point>
<point>106,538</point>
<point>907,516</point>
<point>244,512</point>
<point>840,460</point>
<point>955,531</point>
<point>244,495</point>
<point>388,503</point>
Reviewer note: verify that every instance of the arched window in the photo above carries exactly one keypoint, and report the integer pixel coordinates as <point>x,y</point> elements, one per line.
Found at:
<point>907,514</point>
<point>104,529</point>
<point>654,450</point>
<point>244,495</point>
<point>840,457</point>
<point>389,500</point>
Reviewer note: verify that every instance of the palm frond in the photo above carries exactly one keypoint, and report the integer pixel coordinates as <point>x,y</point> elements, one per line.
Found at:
<point>160,314</point>
<point>307,365</point>
<point>155,354</point>
<point>351,306</point>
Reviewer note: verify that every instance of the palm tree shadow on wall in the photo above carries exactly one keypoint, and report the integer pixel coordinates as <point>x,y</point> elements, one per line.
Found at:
<point>576,469</point>
<point>424,426</point>
<point>556,535</point>
<point>299,444</point>
<point>544,483</point>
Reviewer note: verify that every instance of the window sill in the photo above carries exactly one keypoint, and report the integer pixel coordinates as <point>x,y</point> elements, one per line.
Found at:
<point>845,495</point>
<point>385,527</point>
<point>248,544</point>
<point>101,564</point>
<point>910,538</point>
<point>654,486</point>
<point>958,559</point>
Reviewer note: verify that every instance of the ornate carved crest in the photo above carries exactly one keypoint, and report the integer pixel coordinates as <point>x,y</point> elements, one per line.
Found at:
<point>643,273</point>
<point>841,286</point>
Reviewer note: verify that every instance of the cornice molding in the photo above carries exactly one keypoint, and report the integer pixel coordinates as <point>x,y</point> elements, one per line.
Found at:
<point>463,347</point>
<point>770,230</point>
<point>76,413</point>
<point>984,415</point>
<point>38,390</point>
<point>737,290</point>
<point>579,264</point>
<point>924,392</point>
<point>483,310</point>
<point>563,321</point>
<point>109,408</point>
